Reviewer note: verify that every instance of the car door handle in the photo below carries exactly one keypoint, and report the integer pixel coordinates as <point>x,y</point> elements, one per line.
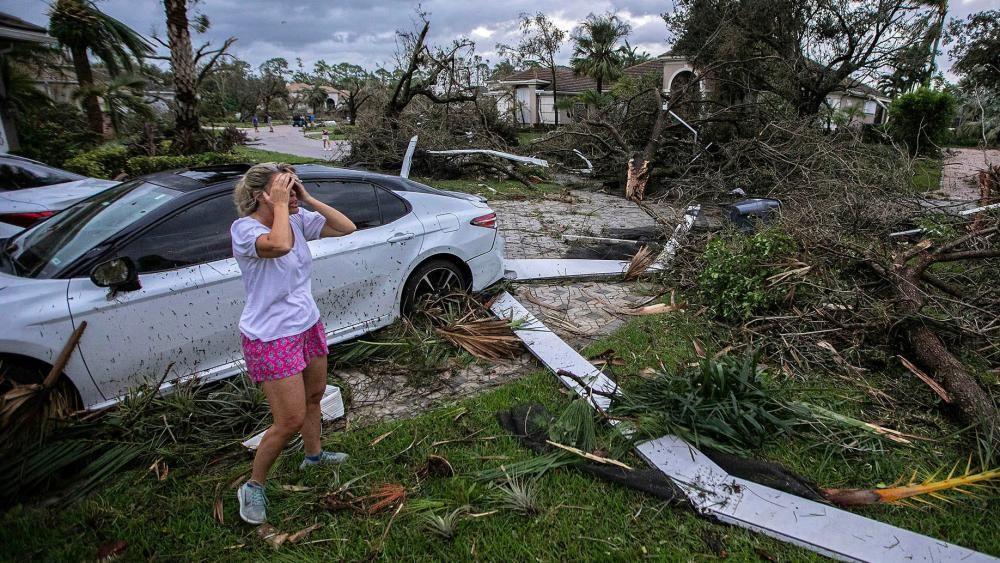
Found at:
<point>400,237</point>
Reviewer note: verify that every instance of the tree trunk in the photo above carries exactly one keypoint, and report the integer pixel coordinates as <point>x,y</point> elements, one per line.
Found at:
<point>975,405</point>
<point>187,128</point>
<point>352,110</point>
<point>637,178</point>
<point>85,78</point>
<point>599,85</point>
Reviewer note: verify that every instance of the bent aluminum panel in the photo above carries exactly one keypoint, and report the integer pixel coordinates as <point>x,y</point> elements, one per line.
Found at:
<point>561,268</point>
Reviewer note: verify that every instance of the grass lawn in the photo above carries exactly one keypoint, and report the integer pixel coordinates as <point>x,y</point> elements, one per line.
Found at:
<point>334,136</point>
<point>580,517</point>
<point>926,175</point>
<point>258,155</point>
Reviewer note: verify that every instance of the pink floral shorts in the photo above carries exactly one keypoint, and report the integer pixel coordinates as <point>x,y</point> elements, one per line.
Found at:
<point>284,357</point>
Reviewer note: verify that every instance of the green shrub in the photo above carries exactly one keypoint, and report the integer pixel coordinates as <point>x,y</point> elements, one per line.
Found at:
<point>142,165</point>
<point>921,118</point>
<point>53,134</point>
<point>106,161</point>
<point>735,282</point>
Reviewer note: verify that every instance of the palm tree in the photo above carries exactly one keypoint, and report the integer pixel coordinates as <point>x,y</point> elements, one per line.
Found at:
<point>594,52</point>
<point>83,29</point>
<point>316,98</point>
<point>122,95</point>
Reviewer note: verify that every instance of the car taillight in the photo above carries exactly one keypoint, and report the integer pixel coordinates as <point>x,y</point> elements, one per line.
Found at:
<point>25,220</point>
<point>488,221</point>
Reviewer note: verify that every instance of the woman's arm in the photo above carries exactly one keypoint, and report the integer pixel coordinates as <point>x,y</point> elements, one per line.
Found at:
<point>279,241</point>
<point>337,224</point>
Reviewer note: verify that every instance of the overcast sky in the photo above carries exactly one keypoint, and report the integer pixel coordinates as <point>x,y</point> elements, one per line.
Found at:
<point>363,31</point>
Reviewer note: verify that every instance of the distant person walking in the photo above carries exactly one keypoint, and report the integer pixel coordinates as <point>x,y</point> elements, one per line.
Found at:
<point>269,126</point>
<point>255,123</point>
<point>284,341</point>
<point>326,140</point>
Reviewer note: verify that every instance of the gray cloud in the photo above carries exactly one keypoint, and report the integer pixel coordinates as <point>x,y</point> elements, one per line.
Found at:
<point>363,32</point>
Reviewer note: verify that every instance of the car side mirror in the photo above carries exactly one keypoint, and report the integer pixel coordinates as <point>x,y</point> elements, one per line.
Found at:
<point>119,274</point>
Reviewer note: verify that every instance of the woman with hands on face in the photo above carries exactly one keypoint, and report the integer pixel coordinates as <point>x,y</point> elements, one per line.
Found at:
<point>284,341</point>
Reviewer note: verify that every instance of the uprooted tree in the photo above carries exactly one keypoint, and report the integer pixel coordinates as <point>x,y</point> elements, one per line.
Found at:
<point>433,92</point>
<point>851,300</point>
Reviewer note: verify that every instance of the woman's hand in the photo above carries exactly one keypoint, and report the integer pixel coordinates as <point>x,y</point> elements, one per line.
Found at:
<point>278,194</point>
<point>301,193</point>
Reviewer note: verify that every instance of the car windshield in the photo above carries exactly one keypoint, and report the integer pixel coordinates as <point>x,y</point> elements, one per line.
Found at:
<point>45,249</point>
<point>19,175</point>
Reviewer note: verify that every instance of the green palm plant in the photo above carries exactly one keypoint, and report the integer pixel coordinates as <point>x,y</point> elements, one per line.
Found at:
<point>83,29</point>
<point>595,51</point>
<point>316,98</point>
<point>122,95</point>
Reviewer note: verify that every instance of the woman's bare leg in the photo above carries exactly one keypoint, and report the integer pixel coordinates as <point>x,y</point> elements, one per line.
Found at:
<point>314,376</point>
<point>286,397</point>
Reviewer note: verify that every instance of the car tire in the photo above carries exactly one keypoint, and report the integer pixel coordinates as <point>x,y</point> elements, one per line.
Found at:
<point>434,277</point>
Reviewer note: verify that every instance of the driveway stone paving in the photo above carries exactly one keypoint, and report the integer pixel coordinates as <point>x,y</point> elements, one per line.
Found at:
<point>580,312</point>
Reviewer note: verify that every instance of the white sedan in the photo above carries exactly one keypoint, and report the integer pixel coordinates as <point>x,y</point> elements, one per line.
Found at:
<point>31,192</point>
<point>148,265</point>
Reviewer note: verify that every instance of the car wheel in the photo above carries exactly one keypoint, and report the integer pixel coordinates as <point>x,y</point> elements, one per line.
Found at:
<point>436,278</point>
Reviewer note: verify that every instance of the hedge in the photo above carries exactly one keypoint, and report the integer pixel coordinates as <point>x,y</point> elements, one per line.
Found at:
<point>106,161</point>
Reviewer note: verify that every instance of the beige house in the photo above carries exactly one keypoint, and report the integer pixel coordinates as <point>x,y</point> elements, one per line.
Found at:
<point>297,102</point>
<point>530,96</point>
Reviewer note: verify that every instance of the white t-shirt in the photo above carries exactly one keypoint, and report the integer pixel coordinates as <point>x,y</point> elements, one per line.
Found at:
<point>279,290</point>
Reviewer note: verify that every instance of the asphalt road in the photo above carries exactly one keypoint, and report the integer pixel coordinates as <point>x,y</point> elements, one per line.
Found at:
<point>290,140</point>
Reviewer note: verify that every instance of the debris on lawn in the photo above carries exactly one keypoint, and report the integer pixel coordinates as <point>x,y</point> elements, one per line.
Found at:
<point>915,488</point>
<point>274,537</point>
<point>714,492</point>
<point>382,497</point>
<point>160,469</point>
<point>506,155</point>
<point>447,525</point>
<point>639,263</point>
<point>111,551</point>
<point>435,466</point>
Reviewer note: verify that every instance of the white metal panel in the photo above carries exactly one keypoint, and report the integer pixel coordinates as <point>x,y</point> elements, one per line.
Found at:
<point>558,268</point>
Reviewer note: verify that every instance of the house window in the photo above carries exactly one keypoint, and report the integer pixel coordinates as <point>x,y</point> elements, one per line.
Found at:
<point>870,107</point>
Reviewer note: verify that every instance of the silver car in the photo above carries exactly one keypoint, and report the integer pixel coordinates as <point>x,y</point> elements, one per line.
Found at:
<point>148,265</point>
<point>31,192</point>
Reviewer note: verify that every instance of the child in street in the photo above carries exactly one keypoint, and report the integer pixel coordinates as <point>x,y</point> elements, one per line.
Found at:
<point>326,140</point>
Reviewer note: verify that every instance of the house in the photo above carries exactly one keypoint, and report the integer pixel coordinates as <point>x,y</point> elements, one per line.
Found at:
<point>298,92</point>
<point>531,99</point>
<point>15,31</point>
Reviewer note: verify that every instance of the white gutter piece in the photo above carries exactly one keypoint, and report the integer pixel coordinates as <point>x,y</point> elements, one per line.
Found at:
<point>713,492</point>
<point>331,407</point>
<point>964,213</point>
<point>813,525</point>
<point>562,268</point>
<point>507,155</point>
<point>404,172</point>
<point>674,244</point>
<point>553,352</point>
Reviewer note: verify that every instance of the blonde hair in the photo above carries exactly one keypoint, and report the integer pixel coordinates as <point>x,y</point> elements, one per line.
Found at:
<point>255,181</point>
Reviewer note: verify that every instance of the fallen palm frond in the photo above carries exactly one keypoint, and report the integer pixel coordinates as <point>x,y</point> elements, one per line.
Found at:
<point>384,496</point>
<point>821,415</point>
<point>486,339</point>
<point>915,488</point>
<point>33,405</point>
<point>657,308</point>
<point>532,467</point>
<point>575,426</point>
<point>639,263</point>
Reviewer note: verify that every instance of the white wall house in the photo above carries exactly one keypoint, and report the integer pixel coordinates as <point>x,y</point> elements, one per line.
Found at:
<point>532,92</point>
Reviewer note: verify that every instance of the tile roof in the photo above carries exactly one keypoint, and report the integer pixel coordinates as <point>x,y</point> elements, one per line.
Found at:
<point>566,79</point>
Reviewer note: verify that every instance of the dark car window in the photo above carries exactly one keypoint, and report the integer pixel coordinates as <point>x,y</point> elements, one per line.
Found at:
<point>18,175</point>
<point>196,235</point>
<point>46,249</point>
<point>357,200</point>
<point>391,205</point>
